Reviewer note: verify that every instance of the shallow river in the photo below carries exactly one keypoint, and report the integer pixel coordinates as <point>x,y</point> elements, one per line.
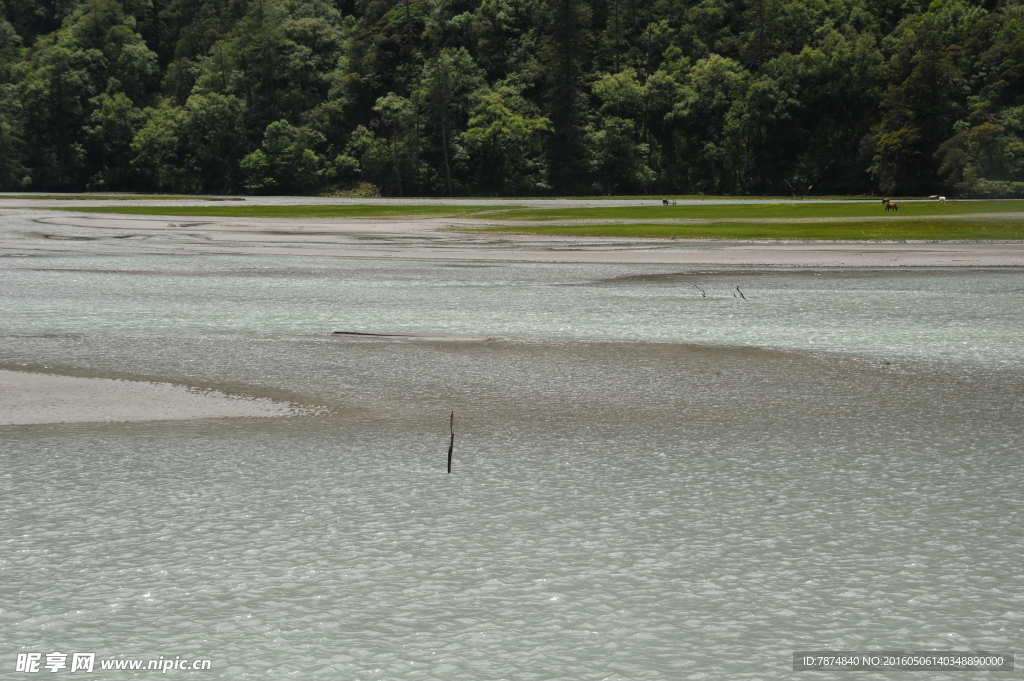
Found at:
<point>648,483</point>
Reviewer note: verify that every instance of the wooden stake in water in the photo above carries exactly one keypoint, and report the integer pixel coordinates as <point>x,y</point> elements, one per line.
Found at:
<point>451,445</point>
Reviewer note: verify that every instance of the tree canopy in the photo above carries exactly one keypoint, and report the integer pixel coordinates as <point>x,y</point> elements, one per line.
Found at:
<point>513,97</point>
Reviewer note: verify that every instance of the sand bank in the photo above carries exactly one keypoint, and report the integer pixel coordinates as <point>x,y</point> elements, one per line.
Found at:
<point>31,398</point>
<point>25,232</point>
<point>369,335</point>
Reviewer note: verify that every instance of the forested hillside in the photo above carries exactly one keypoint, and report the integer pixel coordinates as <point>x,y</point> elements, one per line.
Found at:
<point>513,97</point>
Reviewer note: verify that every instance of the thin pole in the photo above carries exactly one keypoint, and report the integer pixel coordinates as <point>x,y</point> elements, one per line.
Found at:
<point>451,445</point>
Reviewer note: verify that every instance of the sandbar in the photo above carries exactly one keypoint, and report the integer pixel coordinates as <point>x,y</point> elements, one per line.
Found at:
<point>25,232</point>
<point>28,398</point>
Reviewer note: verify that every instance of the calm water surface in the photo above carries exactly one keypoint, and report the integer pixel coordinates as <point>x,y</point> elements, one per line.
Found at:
<point>648,483</point>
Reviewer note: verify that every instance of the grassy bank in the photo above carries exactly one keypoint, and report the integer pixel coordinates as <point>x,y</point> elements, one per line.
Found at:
<point>891,230</point>
<point>765,211</point>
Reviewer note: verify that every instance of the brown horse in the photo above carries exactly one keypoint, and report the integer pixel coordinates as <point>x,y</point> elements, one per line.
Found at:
<point>889,205</point>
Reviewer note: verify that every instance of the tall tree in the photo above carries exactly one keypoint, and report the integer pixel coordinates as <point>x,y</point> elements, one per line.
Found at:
<point>564,53</point>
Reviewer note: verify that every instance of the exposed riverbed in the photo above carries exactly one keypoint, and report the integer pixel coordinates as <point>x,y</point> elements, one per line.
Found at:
<point>648,482</point>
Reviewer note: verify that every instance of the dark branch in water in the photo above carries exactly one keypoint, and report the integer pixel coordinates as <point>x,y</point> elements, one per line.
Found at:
<point>702,294</point>
<point>741,293</point>
<point>451,445</point>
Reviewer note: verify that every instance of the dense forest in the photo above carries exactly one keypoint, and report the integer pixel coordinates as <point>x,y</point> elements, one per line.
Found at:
<point>513,97</point>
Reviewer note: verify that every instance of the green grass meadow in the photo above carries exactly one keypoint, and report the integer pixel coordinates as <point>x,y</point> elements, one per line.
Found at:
<point>874,230</point>
<point>764,211</point>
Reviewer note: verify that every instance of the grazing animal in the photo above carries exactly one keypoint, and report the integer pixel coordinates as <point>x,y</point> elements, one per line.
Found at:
<point>891,206</point>
<point>942,199</point>
<point>664,202</point>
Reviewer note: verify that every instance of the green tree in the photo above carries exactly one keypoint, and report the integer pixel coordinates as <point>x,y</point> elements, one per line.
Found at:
<point>292,165</point>
<point>564,53</point>
<point>112,127</point>
<point>618,157</point>
<point>159,151</point>
<point>921,110</point>
<point>55,90</point>
<point>444,92</point>
<point>13,173</point>
<point>400,124</point>
<point>256,171</point>
<point>708,112</point>
<point>195,148</point>
<point>505,138</point>
<point>213,132</point>
<point>371,155</point>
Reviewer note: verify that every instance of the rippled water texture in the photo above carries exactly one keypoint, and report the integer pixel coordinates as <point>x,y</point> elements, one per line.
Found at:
<point>647,483</point>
